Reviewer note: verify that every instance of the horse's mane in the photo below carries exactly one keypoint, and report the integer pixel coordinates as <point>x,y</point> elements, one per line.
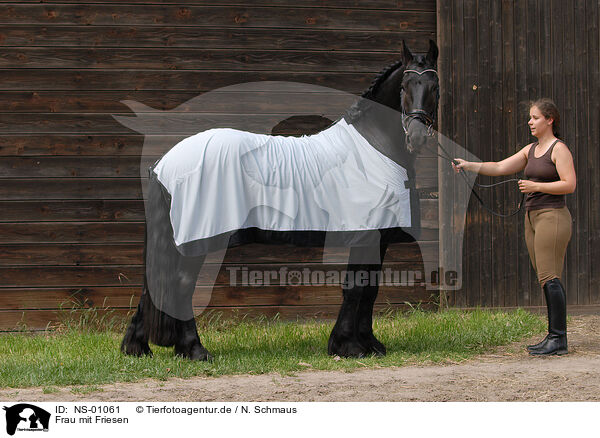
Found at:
<point>380,78</point>
<point>354,112</point>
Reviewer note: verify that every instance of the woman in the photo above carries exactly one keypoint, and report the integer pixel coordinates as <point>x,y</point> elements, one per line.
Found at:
<point>550,174</point>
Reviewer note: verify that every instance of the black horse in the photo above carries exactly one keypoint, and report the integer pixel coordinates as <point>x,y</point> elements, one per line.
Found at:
<point>409,87</point>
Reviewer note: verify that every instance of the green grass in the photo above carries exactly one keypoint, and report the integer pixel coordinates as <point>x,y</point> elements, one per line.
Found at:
<point>82,354</point>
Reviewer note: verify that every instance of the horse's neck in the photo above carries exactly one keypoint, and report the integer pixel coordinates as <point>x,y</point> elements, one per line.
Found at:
<point>385,134</point>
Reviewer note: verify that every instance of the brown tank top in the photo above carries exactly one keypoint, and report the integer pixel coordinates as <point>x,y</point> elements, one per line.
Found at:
<point>542,169</point>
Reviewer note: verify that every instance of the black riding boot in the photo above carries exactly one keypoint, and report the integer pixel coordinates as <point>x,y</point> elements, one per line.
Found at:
<point>556,341</point>
<point>543,341</point>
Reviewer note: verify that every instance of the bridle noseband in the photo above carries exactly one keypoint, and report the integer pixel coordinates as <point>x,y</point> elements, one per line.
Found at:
<point>426,118</point>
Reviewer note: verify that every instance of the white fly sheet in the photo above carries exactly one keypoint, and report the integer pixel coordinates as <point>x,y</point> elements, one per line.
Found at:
<point>223,180</point>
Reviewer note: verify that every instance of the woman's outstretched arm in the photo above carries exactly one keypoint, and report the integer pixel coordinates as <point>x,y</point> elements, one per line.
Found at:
<point>508,166</point>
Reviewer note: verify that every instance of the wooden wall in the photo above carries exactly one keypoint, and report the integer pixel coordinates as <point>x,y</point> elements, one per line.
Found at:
<point>71,207</point>
<point>495,58</point>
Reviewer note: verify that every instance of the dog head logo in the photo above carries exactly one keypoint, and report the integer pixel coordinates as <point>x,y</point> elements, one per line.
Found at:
<point>26,417</point>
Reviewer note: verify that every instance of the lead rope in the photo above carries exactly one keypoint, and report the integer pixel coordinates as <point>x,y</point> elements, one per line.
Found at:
<point>446,157</point>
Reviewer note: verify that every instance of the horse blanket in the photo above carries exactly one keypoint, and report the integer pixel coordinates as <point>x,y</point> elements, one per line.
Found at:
<point>223,180</point>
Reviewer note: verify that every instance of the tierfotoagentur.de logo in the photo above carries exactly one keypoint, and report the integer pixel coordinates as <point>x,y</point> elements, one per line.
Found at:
<point>24,417</point>
<point>284,276</point>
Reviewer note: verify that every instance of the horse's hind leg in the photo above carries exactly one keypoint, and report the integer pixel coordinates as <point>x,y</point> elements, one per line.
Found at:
<point>150,323</point>
<point>165,314</point>
<point>365,311</point>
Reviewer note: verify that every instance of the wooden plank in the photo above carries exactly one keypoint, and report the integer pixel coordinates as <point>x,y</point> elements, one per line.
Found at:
<point>106,188</point>
<point>472,125</point>
<point>580,89</point>
<point>406,5</point>
<point>261,253</point>
<point>71,232</point>
<point>533,32</point>
<point>195,59</point>
<point>569,128</point>
<point>515,226</point>
<point>73,188</point>
<point>534,22</point>
<point>71,167</point>
<point>96,145</point>
<point>56,36</point>
<point>166,126</point>
<point>29,298</point>
<point>95,102</point>
<point>219,296</point>
<point>509,103</point>
<point>121,211</point>
<point>77,210</point>
<point>150,123</point>
<point>561,87</point>
<point>218,16</point>
<point>93,232</point>
<point>229,274</point>
<point>483,117</point>
<point>107,145</point>
<point>71,254</point>
<point>460,63</point>
<point>39,254</point>
<point>129,167</point>
<point>546,55</point>
<point>49,319</point>
<point>68,276</point>
<point>448,246</point>
<point>172,80</point>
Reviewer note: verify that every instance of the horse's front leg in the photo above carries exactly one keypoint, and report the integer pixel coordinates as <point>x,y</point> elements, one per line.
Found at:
<point>365,309</point>
<point>346,338</point>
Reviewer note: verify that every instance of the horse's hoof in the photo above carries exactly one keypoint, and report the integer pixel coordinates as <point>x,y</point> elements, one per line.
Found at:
<point>378,349</point>
<point>374,346</point>
<point>137,349</point>
<point>348,348</point>
<point>196,352</point>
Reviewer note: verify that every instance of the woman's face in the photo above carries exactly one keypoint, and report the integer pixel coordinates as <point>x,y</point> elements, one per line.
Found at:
<point>538,124</point>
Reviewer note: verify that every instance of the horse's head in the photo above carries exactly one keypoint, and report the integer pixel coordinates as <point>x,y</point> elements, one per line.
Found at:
<point>419,95</point>
<point>410,87</point>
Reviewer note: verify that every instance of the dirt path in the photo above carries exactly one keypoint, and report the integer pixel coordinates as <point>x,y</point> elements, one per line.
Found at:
<point>508,374</point>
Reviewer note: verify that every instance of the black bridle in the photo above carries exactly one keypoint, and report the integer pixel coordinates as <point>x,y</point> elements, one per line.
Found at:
<point>428,119</point>
<point>425,117</point>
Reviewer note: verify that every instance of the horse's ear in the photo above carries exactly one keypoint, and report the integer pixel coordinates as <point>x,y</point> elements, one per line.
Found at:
<point>432,55</point>
<point>406,56</point>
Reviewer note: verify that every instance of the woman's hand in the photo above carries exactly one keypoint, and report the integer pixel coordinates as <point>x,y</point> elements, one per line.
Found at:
<point>462,165</point>
<point>526,186</point>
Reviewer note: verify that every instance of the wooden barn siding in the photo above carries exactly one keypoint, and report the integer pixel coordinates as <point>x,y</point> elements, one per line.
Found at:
<point>71,208</point>
<point>495,58</point>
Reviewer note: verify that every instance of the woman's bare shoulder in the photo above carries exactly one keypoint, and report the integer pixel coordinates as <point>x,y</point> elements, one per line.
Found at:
<point>560,150</point>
